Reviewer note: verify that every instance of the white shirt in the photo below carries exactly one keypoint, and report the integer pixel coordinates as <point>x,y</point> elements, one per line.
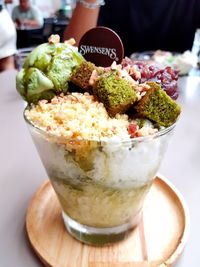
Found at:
<point>8,35</point>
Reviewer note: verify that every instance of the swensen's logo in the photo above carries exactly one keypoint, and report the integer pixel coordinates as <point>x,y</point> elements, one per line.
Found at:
<point>87,49</point>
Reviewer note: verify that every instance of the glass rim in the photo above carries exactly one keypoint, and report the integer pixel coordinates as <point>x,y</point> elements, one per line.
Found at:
<point>157,134</point>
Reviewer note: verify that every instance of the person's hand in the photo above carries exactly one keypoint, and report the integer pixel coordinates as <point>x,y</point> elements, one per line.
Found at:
<point>21,23</point>
<point>25,23</point>
<point>30,23</point>
<point>17,23</point>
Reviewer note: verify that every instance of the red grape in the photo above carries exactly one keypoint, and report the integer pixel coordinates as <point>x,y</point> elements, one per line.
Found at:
<point>166,77</point>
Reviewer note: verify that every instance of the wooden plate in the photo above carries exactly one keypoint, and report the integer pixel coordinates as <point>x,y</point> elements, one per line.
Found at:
<point>157,241</point>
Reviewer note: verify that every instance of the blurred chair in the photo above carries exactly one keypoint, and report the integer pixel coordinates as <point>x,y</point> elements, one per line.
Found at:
<point>54,25</point>
<point>48,28</point>
<point>29,37</point>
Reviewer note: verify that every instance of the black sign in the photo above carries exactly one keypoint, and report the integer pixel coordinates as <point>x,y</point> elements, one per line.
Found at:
<point>101,46</point>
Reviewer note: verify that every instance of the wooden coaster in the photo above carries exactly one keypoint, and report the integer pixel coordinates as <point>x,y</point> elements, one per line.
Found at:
<point>157,241</point>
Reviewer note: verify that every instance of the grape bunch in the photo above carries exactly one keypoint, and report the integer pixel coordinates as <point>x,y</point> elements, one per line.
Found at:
<point>166,77</point>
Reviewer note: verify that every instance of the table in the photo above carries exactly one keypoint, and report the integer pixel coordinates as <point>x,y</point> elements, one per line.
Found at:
<point>22,172</point>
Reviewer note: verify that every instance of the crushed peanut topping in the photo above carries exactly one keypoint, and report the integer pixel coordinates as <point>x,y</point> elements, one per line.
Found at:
<point>71,41</point>
<point>78,116</point>
<point>54,39</point>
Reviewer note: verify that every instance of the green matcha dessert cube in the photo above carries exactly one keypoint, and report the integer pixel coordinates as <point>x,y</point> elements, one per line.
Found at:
<point>157,106</point>
<point>115,93</point>
<point>81,75</point>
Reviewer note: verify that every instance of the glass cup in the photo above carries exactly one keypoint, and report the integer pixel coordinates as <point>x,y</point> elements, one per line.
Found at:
<point>21,55</point>
<point>101,186</point>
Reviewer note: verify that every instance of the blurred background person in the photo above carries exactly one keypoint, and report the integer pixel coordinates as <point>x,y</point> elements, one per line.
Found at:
<point>7,40</point>
<point>142,24</point>
<point>27,15</point>
<point>9,5</point>
<point>83,19</point>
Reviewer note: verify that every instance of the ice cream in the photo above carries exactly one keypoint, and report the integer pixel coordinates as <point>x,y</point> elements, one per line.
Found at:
<point>101,145</point>
<point>47,70</point>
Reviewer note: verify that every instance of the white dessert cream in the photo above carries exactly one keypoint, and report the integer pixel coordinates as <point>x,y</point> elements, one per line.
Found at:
<point>100,174</point>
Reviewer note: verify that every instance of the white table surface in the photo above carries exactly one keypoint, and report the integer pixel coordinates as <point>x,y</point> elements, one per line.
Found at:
<point>21,171</point>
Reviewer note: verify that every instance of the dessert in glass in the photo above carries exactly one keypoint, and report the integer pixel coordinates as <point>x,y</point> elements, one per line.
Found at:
<point>101,134</point>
